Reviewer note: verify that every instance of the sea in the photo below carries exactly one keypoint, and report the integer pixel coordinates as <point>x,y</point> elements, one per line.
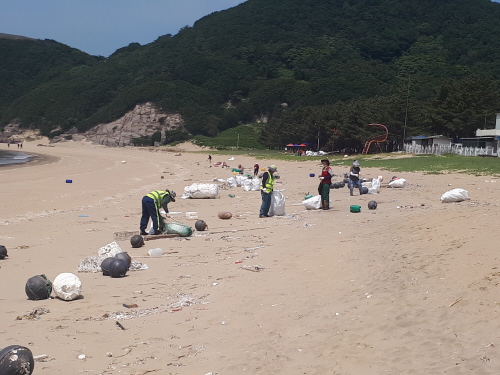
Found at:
<point>12,157</point>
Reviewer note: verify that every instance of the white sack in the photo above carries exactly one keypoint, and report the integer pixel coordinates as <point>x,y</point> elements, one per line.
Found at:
<point>455,195</point>
<point>277,204</point>
<point>240,179</point>
<point>255,184</point>
<point>313,203</point>
<point>67,286</point>
<point>375,188</point>
<point>202,191</point>
<point>399,183</point>
<point>231,181</point>
<point>247,185</point>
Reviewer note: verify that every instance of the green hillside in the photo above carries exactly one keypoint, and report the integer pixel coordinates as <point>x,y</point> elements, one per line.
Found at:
<point>312,68</point>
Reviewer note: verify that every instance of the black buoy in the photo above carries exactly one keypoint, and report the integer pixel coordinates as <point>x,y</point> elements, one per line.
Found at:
<point>346,180</point>
<point>105,266</point>
<point>364,190</point>
<point>117,268</point>
<point>16,360</point>
<point>372,205</point>
<point>38,287</point>
<point>124,256</point>
<point>3,252</point>
<point>341,184</point>
<point>137,240</point>
<point>200,225</point>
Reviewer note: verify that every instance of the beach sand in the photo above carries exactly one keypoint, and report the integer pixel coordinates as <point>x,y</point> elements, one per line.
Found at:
<point>408,288</point>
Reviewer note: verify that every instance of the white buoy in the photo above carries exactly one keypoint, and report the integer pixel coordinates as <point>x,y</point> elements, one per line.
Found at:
<point>67,286</point>
<point>124,161</point>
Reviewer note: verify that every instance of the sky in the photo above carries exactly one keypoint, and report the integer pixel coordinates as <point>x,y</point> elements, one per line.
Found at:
<point>100,27</point>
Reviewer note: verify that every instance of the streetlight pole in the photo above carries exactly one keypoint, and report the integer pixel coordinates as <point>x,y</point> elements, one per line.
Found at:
<point>238,141</point>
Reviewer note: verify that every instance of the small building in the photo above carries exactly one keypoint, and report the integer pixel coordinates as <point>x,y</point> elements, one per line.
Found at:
<point>488,139</point>
<point>429,141</point>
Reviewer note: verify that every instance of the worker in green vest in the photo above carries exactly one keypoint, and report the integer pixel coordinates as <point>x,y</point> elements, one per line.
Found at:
<point>151,204</point>
<point>266,190</point>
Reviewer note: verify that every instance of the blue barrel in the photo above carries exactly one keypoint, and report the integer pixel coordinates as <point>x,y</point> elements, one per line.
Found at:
<point>69,181</point>
<point>311,174</point>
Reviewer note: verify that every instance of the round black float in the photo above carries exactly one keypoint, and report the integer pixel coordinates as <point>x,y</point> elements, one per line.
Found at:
<point>105,266</point>
<point>38,287</point>
<point>137,240</point>
<point>372,205</point>
<point>346,180</point>
<point>16,360</point>
<point>126,257</point>
<point>3,252</point>
<point>200,225</point>
<point>341,184</point>
<point>117,268</point>
<point>364,190</point>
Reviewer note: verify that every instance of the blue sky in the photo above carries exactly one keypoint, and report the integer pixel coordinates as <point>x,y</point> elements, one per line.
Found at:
<point>100,27</point>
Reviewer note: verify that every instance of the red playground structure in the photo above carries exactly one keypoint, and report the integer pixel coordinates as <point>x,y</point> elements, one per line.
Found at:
<point>377,139</point>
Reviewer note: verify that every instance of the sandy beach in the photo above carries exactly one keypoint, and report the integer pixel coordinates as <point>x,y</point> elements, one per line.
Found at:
<point>408,288</point>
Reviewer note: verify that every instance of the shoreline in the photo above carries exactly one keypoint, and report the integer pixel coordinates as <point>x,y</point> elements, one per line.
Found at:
<point>37,159</point>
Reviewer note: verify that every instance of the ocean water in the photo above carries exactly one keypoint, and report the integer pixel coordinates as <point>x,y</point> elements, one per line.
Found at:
<point>12,157</point>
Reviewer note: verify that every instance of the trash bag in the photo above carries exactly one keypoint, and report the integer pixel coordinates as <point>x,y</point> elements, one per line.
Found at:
<point>179,228</point>
<point>399,183</point>
<point>255,184</point>
<point>231,181</point>
<point>247,185</point>
<point>202,191</point>
<point>313,203</point>
<point>277,204</point>
<point>375,188</point>
<point>455,195</point>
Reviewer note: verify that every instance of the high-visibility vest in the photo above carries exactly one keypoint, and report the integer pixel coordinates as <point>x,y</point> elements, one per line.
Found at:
<point>269,184</point>
<point>158,196</point>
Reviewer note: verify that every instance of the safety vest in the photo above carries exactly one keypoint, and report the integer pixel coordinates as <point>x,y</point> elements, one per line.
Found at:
<point>158,196</point>
<point>269,184</point>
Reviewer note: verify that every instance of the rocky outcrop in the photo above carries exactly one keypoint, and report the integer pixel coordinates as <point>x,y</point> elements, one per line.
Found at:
<point>144,120</point>
<point>13,133</point>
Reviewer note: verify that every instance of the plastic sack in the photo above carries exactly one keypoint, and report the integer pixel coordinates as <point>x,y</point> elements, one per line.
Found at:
<point>247,185</point>
<point>231,181</point>
<point>313,203</point>
<point>375,188</point>
<point>202,191</point>
<point>277,204</point>
<point>255,184</point>
<point>240,180</point>
<point>455,195</point>
<point>399,183</point>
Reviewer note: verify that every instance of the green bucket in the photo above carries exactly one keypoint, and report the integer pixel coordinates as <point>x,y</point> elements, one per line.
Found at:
<point>308,196</point>
<point>355,208</point>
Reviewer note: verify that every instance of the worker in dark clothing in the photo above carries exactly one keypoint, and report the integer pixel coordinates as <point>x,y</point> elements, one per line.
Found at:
<point>151,204</point>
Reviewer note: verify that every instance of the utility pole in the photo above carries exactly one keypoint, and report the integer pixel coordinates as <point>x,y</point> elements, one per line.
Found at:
<point>238,141</point>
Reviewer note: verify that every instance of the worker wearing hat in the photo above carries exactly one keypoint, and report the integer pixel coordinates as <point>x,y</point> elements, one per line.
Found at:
<point>266,189</point>
<point>324,185</point>
<point>151,204</point>
<point>354,180</point>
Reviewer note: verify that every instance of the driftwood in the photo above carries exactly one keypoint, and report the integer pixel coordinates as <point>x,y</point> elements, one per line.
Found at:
<point>159,236</point>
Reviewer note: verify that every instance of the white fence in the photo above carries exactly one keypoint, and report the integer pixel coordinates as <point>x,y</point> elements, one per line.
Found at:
<point>450,149</point>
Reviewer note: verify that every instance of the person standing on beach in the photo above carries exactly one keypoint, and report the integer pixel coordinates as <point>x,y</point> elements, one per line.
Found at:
<point>266,189</point>
<point>210,160</point>
<point>255,169</point>
<point>354,180</point>
<point>325,182</point>
<point>151,204</point>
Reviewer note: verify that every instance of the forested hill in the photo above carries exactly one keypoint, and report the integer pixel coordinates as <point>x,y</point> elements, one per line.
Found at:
<point>309,66</point>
